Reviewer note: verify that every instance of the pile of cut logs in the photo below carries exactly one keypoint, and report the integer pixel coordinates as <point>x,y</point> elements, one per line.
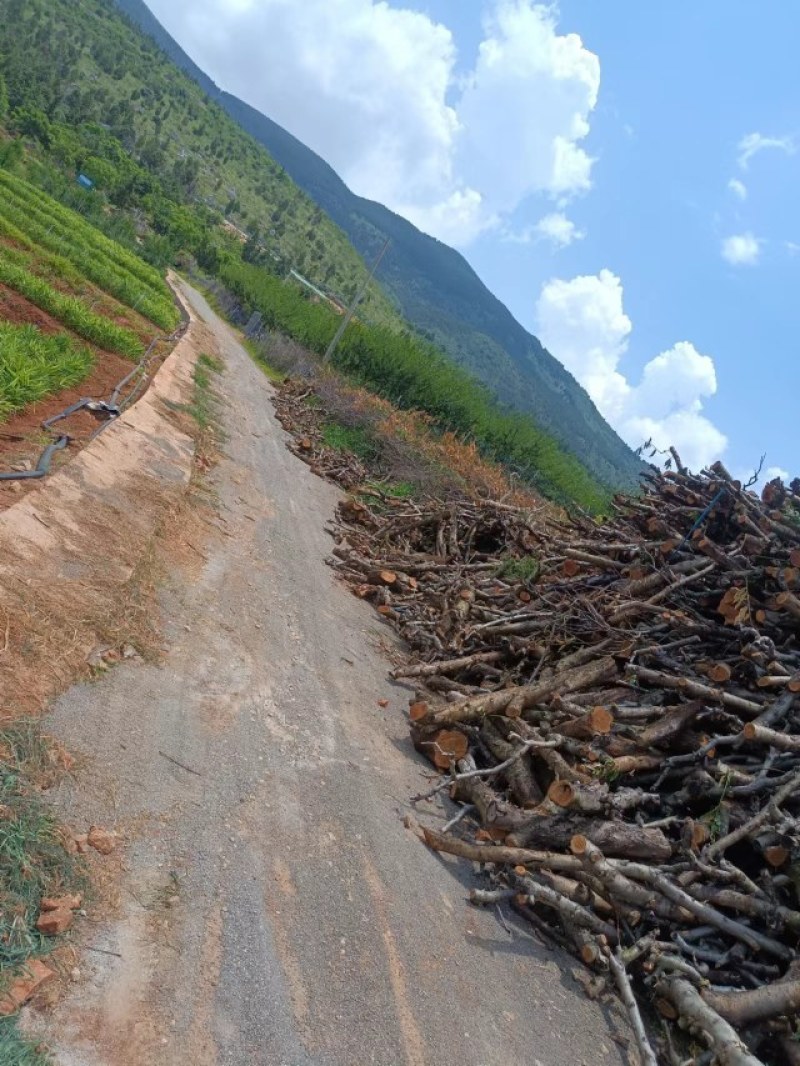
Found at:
<point>615,711</point>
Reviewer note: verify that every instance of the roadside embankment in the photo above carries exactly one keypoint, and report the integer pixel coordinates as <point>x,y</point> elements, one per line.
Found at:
<point>72,550</point>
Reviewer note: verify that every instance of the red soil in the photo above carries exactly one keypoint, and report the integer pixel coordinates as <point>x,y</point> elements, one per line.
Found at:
<point>21,437</point>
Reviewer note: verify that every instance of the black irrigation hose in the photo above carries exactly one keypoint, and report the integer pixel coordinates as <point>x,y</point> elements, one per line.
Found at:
<point>43,465</point>
<point>106,410</point>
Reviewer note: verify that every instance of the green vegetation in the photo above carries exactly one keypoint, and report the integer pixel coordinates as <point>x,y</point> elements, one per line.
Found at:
<point>524,569</point>
<point>203,408</point>
<point>71,311</point>
<point>395,490</point>
<point>33,863</point>
<point>15,1050</point>
<point>33,860</point>
<point>348,439</point>
<point>413,374</point>
<point>28,212</point>
<point>33,365</point>
<point>94,95</point>
<point>270,372</point>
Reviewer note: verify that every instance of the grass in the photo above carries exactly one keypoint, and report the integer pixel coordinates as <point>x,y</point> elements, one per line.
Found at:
<point>33,365</point>
<point>271,373</point>
<point>33,859</point>
<point>64,219</point>
<point>348,439</point>
<point>70,311</point>
<point>524,569</point>
<point>15,1050</point>
<point>203,408</point>
<point>33,863</point>
<point>395,490</point>
<point>77,243</point>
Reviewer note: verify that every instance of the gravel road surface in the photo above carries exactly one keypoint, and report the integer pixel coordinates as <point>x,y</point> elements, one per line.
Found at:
<point>272,909</point>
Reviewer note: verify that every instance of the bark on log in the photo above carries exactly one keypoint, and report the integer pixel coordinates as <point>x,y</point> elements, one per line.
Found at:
<point>447,666</point>
<point>760,734</point>
<point>695,688</point>
<point>613,838</point>
<point>499,854</point>
<point>617,966</point>
<point>519,775</point>
<point>526,696</point>
<point>756,1005</point>
<point>729,1049</point>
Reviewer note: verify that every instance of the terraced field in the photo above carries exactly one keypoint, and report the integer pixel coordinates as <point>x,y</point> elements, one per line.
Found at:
<point>76,310</point>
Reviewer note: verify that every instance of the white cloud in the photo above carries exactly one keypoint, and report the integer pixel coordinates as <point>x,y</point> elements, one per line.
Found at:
<point>776,471</point>
<point>743,249</point>
<point>558,229</point>
<point>583,323</point>
<point>372,87</point>
<point>738,188</point>
<point>791,247</point>
<point>754,143</point>
<point>555,228</point>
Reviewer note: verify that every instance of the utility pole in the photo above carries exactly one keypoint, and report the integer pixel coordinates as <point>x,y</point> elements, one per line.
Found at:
<point>351,310</point>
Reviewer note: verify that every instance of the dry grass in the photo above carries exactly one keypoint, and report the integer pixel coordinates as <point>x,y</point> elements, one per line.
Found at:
<point>411,451</point>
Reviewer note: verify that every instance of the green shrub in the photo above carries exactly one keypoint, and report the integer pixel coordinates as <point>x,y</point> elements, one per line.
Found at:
<point>524,569</point>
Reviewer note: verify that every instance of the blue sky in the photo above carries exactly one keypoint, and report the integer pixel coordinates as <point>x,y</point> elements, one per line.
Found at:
<point>581,156</point>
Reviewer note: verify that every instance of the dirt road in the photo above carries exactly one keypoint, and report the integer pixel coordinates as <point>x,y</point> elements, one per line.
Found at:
<point>273,909</point>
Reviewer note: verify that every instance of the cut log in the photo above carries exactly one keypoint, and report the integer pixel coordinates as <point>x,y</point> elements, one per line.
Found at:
<point>759,734</point>
<point>526,696</point>
<point>729,1049</point>
<point>499,854</point>
<point>620,839</point>
<point>595,722</point>
<point>519,775</point>
<point>446,748</point>
<point>447,666</point>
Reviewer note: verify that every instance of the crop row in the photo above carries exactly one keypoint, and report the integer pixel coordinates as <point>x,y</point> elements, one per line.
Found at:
<point>70,311</point>
<point>74,224</point>
<point>101,271</point>
<point>33,365</point>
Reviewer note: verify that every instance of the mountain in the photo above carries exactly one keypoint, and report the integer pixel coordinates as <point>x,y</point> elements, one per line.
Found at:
<point>434,287</point>
<point>93,92</point>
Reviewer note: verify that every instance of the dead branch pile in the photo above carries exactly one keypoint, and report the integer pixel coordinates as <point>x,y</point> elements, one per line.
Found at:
<point>305,422</point>
<point>623,720</point>
<point>617,706</point>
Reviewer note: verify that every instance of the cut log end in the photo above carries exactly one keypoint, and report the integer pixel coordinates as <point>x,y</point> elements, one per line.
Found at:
<point>561,793</point>
<point>448,746</point>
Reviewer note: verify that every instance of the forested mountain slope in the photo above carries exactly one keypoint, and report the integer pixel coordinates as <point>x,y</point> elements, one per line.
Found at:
<point>98,94</point>
<point>436,289</point>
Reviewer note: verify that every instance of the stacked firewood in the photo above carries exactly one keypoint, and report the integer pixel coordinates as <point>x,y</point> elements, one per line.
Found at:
<point>621,718</point>
<point>615,711</point>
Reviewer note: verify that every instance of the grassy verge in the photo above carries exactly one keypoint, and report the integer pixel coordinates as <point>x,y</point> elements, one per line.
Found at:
<point>34,862</point>
<point>416,376</point>
<point>203,410</point>
<point>270,372</point>
<point>15,1050</point>
<point>72,312</point>
<point>204,405</point>
<point>33,365</point>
